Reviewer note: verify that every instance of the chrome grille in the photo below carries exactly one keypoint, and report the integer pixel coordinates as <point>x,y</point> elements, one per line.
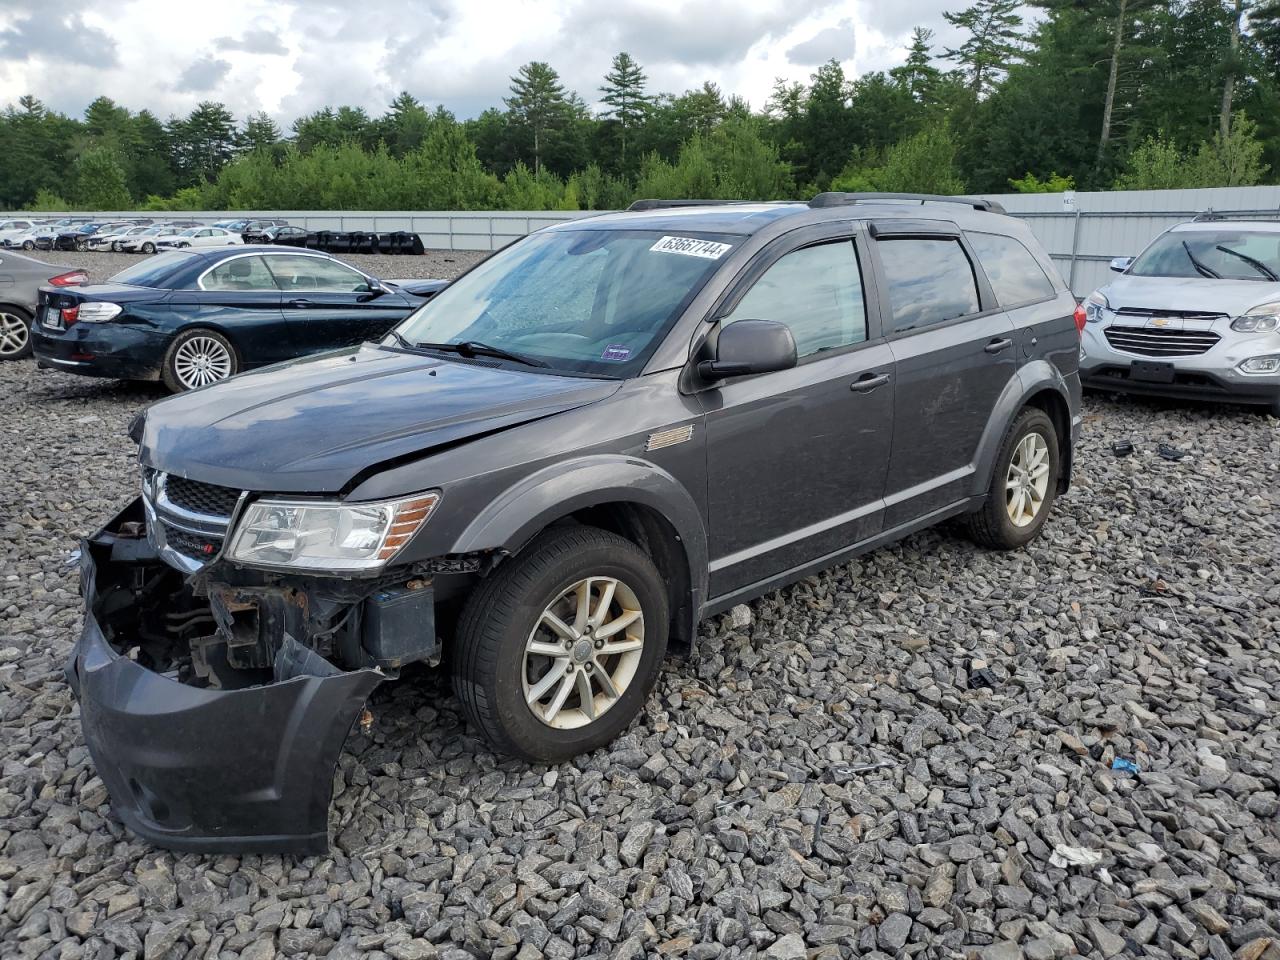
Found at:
<point>200,497</point>
<point>1159,342</point>
<point>187,520</point>
<point>1150,313</point>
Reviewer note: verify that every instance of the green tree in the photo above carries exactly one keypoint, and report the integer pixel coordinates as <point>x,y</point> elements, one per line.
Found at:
<point>1053,183</point>
<point>917,74</point>
<point>202,142</point>
<point>922,163</point>
<point>994,41</point>
<point>260,133</point>
<point>624,95</point>
<point>99,181</point>
<point>538,105</point>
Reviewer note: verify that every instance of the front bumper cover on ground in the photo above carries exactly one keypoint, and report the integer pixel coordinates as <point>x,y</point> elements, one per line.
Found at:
<point>203,769</point>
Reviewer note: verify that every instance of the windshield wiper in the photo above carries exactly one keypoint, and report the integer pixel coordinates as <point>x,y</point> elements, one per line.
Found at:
<point>1258,265</point>
<point>474,348</point>
<point>401,340</point>
<point>1204,271</point>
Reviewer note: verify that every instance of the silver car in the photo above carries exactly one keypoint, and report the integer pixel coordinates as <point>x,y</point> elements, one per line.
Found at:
<point>20,281</point>
<point>1196,314</point>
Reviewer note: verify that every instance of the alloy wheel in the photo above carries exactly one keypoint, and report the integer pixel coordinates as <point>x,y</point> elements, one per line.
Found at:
<point>201,361</point>
<point>13,334</point>
<point>583,652</point>
<point>1027,481</point>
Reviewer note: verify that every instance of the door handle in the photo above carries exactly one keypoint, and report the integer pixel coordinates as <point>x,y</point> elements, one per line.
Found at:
<point>869,382</point>
<point>995,346</point>
<point>299,303</point>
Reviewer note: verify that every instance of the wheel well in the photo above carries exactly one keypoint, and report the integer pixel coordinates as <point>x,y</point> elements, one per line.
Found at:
<point>210,328</point>
<point>653,533</point>
<point>6,305</point>
<point>1053,404</point>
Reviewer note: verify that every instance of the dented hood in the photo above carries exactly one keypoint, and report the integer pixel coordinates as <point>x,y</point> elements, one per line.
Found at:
<point>311,425</point>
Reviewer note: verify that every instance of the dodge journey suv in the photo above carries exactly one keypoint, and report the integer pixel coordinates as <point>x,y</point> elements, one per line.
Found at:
<point>545,477</point>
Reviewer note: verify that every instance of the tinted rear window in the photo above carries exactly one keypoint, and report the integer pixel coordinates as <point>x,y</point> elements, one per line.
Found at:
<point>929,281</point>
<point>154,271</point>
<point>1015,275</point>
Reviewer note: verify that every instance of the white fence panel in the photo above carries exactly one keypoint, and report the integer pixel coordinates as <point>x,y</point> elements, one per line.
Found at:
<point>1081,231</point>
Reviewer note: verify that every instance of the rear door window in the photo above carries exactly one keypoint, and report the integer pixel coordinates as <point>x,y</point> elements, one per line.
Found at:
<point>930,280</point>
<point>239,273</point>
<point>817,292</point>
<point>1015,275</point>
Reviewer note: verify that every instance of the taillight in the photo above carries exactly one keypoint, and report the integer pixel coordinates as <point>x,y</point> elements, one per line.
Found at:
<point>73,279</point>
<point>70,315</point>
<point>1081,319</point>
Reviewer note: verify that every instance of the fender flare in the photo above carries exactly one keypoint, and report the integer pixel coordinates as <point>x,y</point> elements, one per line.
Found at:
<point>520,512</point>
<point>1036,377</point>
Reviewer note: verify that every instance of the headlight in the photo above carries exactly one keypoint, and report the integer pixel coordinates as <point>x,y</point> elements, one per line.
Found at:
<point>97,311</point>
<point>1264,318</point>
<point>339,537</point>
<point>1260,365</point>
<point>1094,304</point>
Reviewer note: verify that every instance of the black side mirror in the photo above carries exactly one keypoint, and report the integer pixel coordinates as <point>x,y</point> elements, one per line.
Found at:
<point>750,346</point>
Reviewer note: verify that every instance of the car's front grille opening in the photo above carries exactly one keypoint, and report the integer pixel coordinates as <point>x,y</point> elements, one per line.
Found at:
<point>198,497</point>
<point>1155,342</point>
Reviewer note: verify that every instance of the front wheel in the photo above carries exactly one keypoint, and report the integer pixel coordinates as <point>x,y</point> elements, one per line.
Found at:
<point>15,333</point>
<point>557,651</point>
<point>1024,484</point>
<point>28,245</point>
<point>198,358</point>
<point>148,247</point>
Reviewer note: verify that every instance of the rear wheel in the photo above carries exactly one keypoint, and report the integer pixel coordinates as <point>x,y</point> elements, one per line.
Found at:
<point>1023,484</point>
<point>557,651</point>
<point>15,333</point>
<point>198,358</point>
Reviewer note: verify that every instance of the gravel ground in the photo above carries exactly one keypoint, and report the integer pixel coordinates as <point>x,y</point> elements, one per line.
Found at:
<point>823,780</point>
<point>434,263</point>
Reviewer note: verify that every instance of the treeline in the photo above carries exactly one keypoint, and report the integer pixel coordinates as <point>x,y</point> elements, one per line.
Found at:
<point>1095,94</point>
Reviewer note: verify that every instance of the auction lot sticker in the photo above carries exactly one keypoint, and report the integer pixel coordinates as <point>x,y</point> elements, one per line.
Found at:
<point>692,247</point>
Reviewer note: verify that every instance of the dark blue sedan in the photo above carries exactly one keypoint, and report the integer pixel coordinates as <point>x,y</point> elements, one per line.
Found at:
<point>192,317</point>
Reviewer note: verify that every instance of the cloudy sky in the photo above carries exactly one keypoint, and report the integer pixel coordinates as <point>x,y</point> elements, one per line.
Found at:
<point>289,57</point>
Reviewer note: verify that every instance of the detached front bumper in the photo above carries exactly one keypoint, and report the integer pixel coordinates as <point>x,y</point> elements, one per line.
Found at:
<point>198,768</point>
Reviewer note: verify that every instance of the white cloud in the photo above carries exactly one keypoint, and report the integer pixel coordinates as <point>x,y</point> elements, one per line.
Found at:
<point>290,57</point>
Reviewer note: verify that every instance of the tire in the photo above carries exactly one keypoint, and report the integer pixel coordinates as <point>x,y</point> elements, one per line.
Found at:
<point>148,247</point>
<point>81,246</point>
<point>183,367</point>
<point>1274,409</point>
<point>115,246</point>
<point>495,676</point>
<point>28,245</point>
<point>15,333</point>
<point>994,526</point>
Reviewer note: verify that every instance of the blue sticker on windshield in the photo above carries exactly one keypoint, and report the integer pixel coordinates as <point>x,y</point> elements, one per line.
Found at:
<point>617,352</point>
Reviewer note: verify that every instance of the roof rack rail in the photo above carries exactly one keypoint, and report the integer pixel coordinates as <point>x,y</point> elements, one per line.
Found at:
<point>663,204</point>
<point>834,199</point>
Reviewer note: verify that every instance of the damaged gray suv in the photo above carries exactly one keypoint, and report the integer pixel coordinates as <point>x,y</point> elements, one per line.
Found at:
<point>544,478</point>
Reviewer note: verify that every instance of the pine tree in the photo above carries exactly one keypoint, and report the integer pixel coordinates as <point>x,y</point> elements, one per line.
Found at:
<point>260,133</point>
<point>538,103</point>
<point>625,95</point>
<point>918,74</point>
<point>994,41</point>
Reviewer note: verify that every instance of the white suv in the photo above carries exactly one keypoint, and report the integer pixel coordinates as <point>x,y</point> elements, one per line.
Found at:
<point>1196,314</point>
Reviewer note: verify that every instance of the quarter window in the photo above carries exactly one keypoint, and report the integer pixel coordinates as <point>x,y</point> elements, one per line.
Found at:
<point>817,292</point>
<point>1016,276</point>
<point>929,281</point>
<point>239,273</point>
<point>316,274</point>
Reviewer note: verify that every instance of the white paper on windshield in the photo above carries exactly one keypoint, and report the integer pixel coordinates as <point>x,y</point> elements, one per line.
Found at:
<point>692,247</point>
